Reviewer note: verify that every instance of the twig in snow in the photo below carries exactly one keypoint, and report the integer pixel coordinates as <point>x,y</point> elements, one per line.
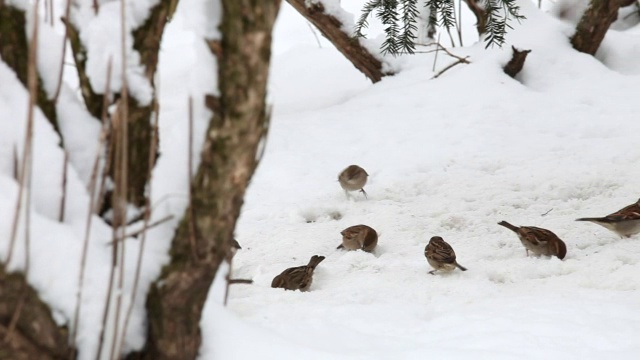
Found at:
<point>548,211</point>
<point>460,61</point>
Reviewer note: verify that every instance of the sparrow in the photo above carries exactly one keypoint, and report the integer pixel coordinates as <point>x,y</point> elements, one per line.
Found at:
<point>299,277</point>
<point>539,241</point>
<point>359,237</point>
<point>234,246</point>
<point>353,178</point>
<point>624,222</point>
<point>441,256</point>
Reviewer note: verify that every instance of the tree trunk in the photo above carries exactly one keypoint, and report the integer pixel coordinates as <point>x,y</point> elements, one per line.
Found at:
<point>595,23</point>
<point>146,40</point>
<point>331,28</point>
<point>14,50</point>
<point>175,301</point>
<point>27,329</point>
<point>481,15</point>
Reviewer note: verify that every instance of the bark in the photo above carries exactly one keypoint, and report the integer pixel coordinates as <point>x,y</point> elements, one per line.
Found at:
<point>147,40</point>
<point>481,15</point>
<point>14,50</point>
<point>92,100</point>
<point>27,329</point>
<point>594,24</point>
<point>515,65</point>
<point>331,28</point>
<point>228,160</point>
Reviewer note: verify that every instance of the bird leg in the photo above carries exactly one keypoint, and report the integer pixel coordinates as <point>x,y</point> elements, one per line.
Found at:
<point>364,192</point>
<point>432,272</point>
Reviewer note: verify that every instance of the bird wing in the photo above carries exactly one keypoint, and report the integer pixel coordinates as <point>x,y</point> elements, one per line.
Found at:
<point>442,252</point>
<point>631,212</point>
<point>537,235</point>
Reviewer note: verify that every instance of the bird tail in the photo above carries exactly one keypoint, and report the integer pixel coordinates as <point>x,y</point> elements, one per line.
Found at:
<point>461,267</point>
<point>509,226</point>
<point>595,220</point>
<point>315,260</point>
<point>559,249</point>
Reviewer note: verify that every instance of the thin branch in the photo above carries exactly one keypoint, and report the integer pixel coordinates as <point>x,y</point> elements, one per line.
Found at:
<point>27,163</point>
<point>67,11</point>
<point>87,233</point>
<point>460,61</point>
<point>459,23</point>
<point>120,207</point>
<point>145,227</point>
<point>63,197</point>
<point>146,224</point>
<point>32,83</point>
<point>315,34</point>
<point>435,58</point>
<point>240,281</point>
<point>192,218</point>
<point>16,167</point>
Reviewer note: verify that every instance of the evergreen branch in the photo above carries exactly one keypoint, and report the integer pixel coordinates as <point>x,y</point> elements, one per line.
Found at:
<point>409,15</point>
<point>362,22</point>
<point>388,13</point>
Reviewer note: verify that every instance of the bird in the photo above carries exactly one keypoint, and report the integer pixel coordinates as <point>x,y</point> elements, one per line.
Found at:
<point>299,277</point>
<point>539,241</point>
<point>359,237</point>
<point>624,222</point>
<point>353,178</point>
<point>234,246</point>
<point>441,256</point>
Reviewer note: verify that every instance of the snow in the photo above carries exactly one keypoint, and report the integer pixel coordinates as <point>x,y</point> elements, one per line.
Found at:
<point>450,156</point>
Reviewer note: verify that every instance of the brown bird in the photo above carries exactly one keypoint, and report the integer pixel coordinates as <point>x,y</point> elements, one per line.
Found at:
<point>299,277</point>
<point>624,222</point>
<point>353,178</point>
<point>441,256</point>
<point>234,246</point>
<point>359,237</point>
<point>539,241</point>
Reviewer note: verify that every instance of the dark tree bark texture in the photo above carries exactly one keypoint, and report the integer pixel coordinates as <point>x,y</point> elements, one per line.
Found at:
<point>27,329</point>
<point>595,23</point>
<point>14,50</point>
<point>481,15</point>
<point>175,301</point>
<point>330,27</point>
<point>515,65</point>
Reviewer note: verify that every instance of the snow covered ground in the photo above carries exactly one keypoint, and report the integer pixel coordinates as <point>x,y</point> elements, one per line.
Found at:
<point>450,156</point>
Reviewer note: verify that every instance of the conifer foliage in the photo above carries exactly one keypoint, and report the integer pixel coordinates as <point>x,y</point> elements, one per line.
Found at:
<point>400,20</point>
